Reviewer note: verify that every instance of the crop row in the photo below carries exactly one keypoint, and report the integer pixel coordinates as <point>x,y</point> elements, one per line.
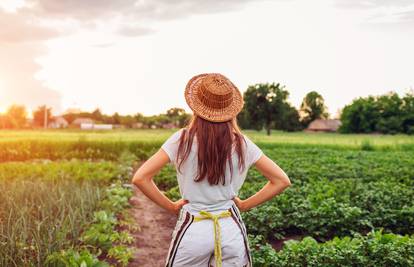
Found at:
<point>371,250</point>
<point>48,206</point>
<point>111,149</point>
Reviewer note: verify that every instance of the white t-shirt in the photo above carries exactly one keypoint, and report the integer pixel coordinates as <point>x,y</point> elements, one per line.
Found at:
<point>202,195</point>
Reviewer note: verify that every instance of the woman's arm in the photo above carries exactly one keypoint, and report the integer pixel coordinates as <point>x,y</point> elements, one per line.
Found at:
<point>278,182</point>
<point>143,179</point>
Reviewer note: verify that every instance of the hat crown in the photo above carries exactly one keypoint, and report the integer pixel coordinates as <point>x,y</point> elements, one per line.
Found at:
<point>213,97</point>
<point>216,91</point>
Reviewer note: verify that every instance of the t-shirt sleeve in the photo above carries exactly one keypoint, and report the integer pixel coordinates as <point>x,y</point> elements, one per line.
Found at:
<point>253,152</point>
<point>170,146</point>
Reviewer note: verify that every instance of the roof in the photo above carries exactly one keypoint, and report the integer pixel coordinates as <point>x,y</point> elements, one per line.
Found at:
<point>82,120</point>
<point>324,125</point>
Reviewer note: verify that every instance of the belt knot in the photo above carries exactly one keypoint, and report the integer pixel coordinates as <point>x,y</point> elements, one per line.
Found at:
<point>217,235</point>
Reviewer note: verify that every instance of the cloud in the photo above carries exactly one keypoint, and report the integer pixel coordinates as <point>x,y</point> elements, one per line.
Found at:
<point>17,69</point>
<point>155,9</point>
<point>22,28</point>
<point>373,3</point>
<point>132,31</point>
<point>36,21</point>
<point>384,13</point>
<point>133,16</point>
<point>103,45</point>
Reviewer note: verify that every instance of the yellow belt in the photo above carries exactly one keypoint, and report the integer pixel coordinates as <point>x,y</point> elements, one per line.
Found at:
<point>217,235</point>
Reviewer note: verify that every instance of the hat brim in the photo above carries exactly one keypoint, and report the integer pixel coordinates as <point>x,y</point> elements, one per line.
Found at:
<point>208,113</point>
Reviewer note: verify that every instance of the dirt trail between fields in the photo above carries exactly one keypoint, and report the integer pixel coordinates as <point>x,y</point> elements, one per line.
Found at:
<point>153,239</point>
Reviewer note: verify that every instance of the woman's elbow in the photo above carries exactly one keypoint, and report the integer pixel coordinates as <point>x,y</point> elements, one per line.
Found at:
<point>286,182</point>
<point>138,179</point>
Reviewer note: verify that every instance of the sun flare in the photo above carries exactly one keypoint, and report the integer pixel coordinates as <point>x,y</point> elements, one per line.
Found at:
<point>11,5</point>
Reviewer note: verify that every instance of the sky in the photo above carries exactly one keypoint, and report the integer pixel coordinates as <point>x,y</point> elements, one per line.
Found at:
<point>130,56</point>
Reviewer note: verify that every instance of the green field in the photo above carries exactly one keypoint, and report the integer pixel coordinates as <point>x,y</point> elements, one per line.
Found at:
<point>157,135</point>
<point>351,202</point>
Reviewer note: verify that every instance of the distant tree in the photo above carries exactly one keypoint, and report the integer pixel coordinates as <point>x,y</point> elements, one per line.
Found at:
<point>127,120</point>
<point>387,114</point>
<point>39,115</point>
<point>290,120</point>
<point>175,112</point>
<point>361,116</point>
<point>116,118</point>
<point>96,115</point>
<point>178,116</point>
<point>266,106</point>
<point>3,121</point>
<point>312,108</point>
<point>16,116</point>
<point>243,119</point>
<point>139,117</point>
<point>408,109</point>
<point>390,107</point>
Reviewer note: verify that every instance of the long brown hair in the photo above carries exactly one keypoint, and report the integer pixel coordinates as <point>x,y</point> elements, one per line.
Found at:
<point>215,143</point>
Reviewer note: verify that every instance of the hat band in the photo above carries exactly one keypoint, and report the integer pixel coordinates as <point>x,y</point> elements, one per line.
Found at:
<point>214,101</point>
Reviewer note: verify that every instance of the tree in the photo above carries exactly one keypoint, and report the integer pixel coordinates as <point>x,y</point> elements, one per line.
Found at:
<point>361,116</point>
<point>116,118</point>
<point>16,116</point>
<point>178,116</point>
<point>96,115</point>
<point>387,114</point>
<point>312,108</point>
<point>408,109</point>
<point>127,120</point>
<point>39,115</point>
<point>266,106</point>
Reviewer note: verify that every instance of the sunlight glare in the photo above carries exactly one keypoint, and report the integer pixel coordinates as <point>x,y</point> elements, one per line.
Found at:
<point>11,5</point>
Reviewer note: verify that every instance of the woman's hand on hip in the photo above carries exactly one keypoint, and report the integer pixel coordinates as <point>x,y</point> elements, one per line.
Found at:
<point>177,205</point>
<point>239,203</point>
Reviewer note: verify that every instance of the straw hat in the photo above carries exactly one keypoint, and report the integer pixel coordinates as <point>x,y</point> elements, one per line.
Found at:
<point>213,97</point>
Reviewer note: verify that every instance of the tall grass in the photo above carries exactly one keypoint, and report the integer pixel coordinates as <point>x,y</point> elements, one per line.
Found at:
<point>38,217</point>
<point>44,205</point>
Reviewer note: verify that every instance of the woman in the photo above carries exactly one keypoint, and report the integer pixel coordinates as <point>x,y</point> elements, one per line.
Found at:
<point>212,158</point>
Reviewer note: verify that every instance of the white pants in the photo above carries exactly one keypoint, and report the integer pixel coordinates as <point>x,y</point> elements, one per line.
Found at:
<point>192,243</point>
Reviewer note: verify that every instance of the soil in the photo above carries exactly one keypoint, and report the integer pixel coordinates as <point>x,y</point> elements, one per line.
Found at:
<point>277,244</point>
<point>156,226</point>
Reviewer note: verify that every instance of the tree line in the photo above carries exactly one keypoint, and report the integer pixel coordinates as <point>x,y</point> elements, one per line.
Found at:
<point>266,107</point>
<point>388,114</point>
<point>16,118</point>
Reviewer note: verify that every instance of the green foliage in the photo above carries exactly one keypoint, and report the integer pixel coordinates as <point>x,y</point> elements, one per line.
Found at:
<point>74,170</point>
<point>366,145</point>
<point>324,208</point>
<point>39,115</point>
<point>82,148</point>
<point>266,106</point>
<point>334,192</point>
<point>121,254</point>
<point>45,207</point>
<point>102,234</point>
<point>173,193</point>
<point>389,114</point>
<point>15,117</point>
<point>313,107</point>
<point>342,186</point>
<point>374,249</point>
<point>40,217</point>
<point>73,258</point>
<point>166,178</point>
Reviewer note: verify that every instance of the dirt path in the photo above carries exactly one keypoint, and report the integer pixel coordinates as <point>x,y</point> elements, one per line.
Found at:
<point>153,239</point>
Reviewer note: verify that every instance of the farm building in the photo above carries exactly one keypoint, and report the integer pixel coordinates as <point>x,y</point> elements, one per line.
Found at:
<point>138,125</point>
<point>77,122</point>
<point>169,125</point>
<point>321,125</point>
<point>58,122</point>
